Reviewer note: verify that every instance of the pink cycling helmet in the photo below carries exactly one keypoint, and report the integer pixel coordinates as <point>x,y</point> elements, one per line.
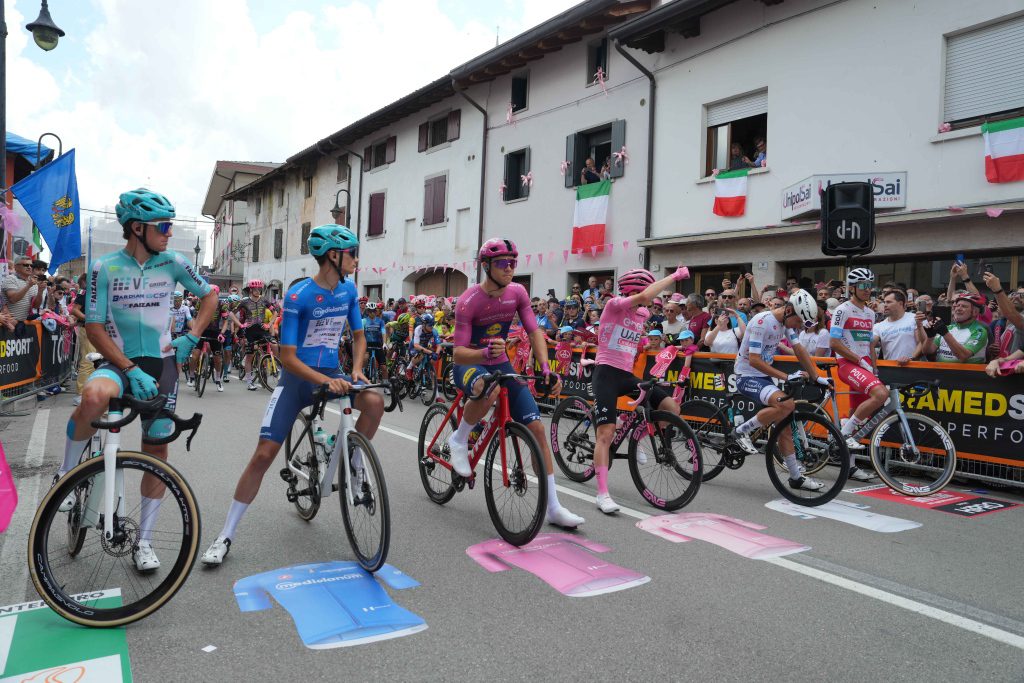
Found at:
<point>258,284</point>
<point>636,280</point>
<point>496,247</point>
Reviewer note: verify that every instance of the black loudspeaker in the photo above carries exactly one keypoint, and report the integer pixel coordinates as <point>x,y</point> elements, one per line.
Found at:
<point>848,219</point>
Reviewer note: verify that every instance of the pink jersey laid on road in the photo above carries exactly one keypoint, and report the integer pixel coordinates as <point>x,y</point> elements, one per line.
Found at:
<point>735,535</point>
<point>560,561</point>
<point>480,316</point>
<point>620,332</point>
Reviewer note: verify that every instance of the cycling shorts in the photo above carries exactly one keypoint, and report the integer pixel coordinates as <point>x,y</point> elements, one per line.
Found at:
<point>609,384</point>
<point>215,345</point>
<point>757,388</point>
<point>860,381</point>
<point>291,396</point>
<point>165,372</point>
<point>521,403</point>
<point>375,352</point>
<point>254,334</point>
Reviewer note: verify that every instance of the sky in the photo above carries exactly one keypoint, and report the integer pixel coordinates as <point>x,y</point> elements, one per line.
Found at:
<point>154,93</point>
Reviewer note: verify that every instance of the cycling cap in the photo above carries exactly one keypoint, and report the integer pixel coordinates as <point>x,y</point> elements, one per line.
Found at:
<point>323,238</point>
<point>498,247</point>
<point>657,333</point>
<point>371,306</point>
<point>859,275</point>
<point>804,306</point>
<point>142,205</point>
<point>636,280</point>
<point>255,284</point>
<point>565,328</point>
<point>686,334</point>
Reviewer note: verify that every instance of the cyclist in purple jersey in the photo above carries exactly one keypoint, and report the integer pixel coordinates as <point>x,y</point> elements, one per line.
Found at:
<point>482,318</point>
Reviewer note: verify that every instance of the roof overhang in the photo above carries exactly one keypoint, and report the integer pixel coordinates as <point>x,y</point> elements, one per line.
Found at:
<point>222,177</point>
<point>647,32</point>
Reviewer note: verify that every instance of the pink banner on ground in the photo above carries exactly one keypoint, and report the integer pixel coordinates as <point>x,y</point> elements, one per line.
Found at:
<point>8,493</point>
<point>953,502</point>
<point>735,535</point>
<point>561,561</point>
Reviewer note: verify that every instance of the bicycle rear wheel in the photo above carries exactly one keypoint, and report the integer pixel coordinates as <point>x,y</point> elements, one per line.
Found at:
<point>670,475</point>
<point>819,447</point>
<point>367,516</point>
<point>269,371</point>
<point>574,437</point>
<point>708,423</point>
<point>517,509</point>
<point>98,585</point>
<point>301,451</point>
<point>428,385</point>
<point>201,374</point>
<point>436,478</point>
<point>448,387</point>
<point>917,460</point>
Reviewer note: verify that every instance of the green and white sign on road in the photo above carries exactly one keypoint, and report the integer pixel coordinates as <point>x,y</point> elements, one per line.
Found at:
<point>38,645</point>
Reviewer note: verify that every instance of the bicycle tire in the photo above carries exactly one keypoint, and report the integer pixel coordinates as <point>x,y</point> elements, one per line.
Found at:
<point>911,474</point>
<point>664,463</point>
<point>708,422</point>
<point>268,370</point>
<point>437,480</point>
<point>373,499</point>
<point>429,386</point>
<point>521,482</point>
<point>448,388</point>
<point>807,406</point>
<point>574,451</point>
<point>67,604</point>
<point>812,444</point>
<point>201,375</point>
<point>303,445</point>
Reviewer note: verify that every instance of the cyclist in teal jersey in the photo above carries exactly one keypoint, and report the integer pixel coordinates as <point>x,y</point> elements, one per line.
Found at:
<point>128,320</point>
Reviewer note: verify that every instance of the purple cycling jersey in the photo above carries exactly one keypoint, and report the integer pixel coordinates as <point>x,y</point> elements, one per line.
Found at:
<point>479,316</point>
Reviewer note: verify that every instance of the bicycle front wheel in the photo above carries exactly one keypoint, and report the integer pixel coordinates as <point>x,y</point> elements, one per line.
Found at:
<point>436,478</point>
<point>708,424</point>
<point>916,460</point>
<point>201,374</point>
<point>666,462</point>
<point>574,437</point>
<point>367,516</point>
<point>516,508</point>
<point>819,447</point>
<point>428,385</point>
<point>448,382</point>
<point>98,585</point>
<point>269,371</point>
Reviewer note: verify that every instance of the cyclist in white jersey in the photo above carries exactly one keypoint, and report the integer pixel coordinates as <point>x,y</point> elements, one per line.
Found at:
<point>754,374</point>
<point>851,332</point>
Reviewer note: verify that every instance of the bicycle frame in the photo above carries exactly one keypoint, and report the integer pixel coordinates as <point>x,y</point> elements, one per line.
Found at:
<point>499,417</point>
<point>893,405</point>
<point>339,454</point>
<point>112,496</point>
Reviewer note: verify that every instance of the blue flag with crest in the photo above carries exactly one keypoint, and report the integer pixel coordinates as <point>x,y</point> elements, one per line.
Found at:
<point>50,197</point>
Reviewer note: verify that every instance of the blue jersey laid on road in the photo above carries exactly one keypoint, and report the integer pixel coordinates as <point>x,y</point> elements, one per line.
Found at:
<point>373,330</point>
<point>314,319</point>
<point>333,604</point>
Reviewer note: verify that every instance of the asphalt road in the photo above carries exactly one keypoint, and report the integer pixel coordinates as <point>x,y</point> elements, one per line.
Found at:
<point>940,602</point>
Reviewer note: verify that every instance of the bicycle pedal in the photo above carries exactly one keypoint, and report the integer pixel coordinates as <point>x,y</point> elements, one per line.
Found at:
<point>471,482</point>
<point>291,494</point>
<point>288,476</point>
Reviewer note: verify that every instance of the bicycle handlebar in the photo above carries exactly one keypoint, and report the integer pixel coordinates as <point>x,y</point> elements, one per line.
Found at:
<point>919,388</point>
<point>322,394</point>
<point>498,376</point>
<point>137,407</point>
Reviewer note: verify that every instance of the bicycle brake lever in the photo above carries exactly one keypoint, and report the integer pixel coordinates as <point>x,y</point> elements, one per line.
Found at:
<point>194,422</point>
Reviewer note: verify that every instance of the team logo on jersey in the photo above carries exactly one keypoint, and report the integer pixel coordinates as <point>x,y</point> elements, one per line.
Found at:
<point>319,298</point>
<point>285,576</point>
<point>295,297</point>
<point>760,321</point>
<point>493,329</point>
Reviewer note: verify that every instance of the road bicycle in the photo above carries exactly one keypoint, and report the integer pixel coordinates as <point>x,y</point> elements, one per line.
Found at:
<point>515,486</point>
<point>446,380</point>
<point>819,447</point>
<point>372,368</point>
<point>204,367</point>
<point>911,452</point>
<point>664,454</point>
<point>81,561</point>
<point>395,363</point>
<point>423,383</point>
<point>312,461</point>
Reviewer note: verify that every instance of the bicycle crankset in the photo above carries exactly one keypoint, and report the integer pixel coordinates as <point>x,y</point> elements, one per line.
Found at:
<point>733,458</point>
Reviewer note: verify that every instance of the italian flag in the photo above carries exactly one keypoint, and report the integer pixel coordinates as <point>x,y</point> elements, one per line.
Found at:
<point>1004,150</point>
<point>590,215</point>
<point>731,193</point>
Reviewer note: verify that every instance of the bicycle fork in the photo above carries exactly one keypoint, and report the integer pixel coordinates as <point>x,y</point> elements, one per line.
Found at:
<point>112,496</point>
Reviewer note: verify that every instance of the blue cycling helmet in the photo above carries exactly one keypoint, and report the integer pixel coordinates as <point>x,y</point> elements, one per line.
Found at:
<point>178,294</point>
<point>323,238</point>
<point>143,205</point>
<point>427,319</point>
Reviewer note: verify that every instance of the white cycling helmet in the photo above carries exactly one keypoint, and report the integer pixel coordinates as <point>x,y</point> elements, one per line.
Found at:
<point>859,275</point>
<point>371,305</point>
<point>804,306</point>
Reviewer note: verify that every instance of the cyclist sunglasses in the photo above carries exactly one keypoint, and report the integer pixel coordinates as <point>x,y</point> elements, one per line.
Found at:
<point>503,263</point>
<point>164,227</point>
<point>353,252</point>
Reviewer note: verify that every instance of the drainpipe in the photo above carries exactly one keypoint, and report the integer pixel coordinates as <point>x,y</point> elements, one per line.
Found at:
<point>650,144</point>
<point>483,161</point>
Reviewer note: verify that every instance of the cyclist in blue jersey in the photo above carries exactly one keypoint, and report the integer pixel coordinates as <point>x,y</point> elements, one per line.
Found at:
<point>424,340</point>
<point>128,320</point>
<point>373,330</point>
<point>316,312</point>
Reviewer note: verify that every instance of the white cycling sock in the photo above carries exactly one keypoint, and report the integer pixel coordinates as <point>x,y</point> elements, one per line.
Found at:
<point>851,425</point>
<point>147,517</point>
<point>748,426</point>
<point>72,454</point>
<point>462,433</point>
<point>235,513</point>
<point>793,466</point>
<point>553,503</point>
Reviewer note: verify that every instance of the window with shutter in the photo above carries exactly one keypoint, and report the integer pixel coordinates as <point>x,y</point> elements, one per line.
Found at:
<point>368,158</point>
<point>255,248</point>
<point>454,124</point>
<point>741,121</point>
<point>424,137</point>
<point>428,201</point>
<point>598,144</point>
<point>517,164</point>
<point>376,222</point>
<point>520,91</point>
<point>278,242</point>
<point>391,147</point>
<point>985,74</point>
<point>440,194</point>
<point>342,168</point>
<point>439,131</point>
<point>379,155</point>
<point>304,247</point>
<point>597,58</point>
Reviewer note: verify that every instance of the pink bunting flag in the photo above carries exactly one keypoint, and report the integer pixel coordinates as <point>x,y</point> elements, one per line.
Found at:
<point>625,245</point>
<point>993,213</point>
<point>565,256</point>
<point>528,259</point>
<point>621,157</point>
<point>610,247</point>
<point>599,79</point>
<point>593,250</point>
<point>540,259</point>
<point>564,168</point>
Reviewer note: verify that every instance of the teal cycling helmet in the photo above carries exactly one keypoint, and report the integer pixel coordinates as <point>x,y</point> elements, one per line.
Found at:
<point>143,205</point>
<point>234,298</point>
<point>178,294</point>
<point>323,238</point>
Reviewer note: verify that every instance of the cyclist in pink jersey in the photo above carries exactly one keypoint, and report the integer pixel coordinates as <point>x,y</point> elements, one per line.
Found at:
<point>850,332</point>
<point>483,316</point>
<point>618,340</point>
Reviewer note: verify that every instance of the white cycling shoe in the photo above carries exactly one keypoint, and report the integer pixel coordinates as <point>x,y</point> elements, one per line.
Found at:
<point>145,558</point>
<point>69,500</point>
<point>563,518</point>
<point>606,505</point>
<point>459,457</point>
<point>806,483</point>
<point>858,474</point>
<point>744,442</point>
<point>216,553</point>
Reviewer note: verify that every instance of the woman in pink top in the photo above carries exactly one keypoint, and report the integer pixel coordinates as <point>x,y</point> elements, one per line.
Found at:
<point>621,329</point>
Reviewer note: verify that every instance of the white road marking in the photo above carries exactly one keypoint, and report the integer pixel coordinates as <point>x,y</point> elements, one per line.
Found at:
<point>7,625</point>
<point>13,563</point>
<point>997,634</point>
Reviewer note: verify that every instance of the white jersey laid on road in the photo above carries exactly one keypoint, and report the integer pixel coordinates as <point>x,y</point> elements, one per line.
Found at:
<point>764,332</point>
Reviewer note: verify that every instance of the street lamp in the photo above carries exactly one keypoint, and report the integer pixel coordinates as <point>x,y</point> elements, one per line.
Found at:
<point>44,31</point>
<point>196,249</point>
<point>336,211</point>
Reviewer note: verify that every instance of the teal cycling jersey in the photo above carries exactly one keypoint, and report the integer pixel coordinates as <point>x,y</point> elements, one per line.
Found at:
<point>133,302</point>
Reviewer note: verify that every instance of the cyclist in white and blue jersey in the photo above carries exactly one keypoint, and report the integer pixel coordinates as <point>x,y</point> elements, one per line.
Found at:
<point>373,330</point>
<point>316,312</point>
<point>128,320</point>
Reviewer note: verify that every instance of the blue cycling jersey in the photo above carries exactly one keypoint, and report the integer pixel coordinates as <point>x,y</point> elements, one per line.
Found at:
<point>333,604</point>
<point>314,319</point>
<point>373,329</point>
